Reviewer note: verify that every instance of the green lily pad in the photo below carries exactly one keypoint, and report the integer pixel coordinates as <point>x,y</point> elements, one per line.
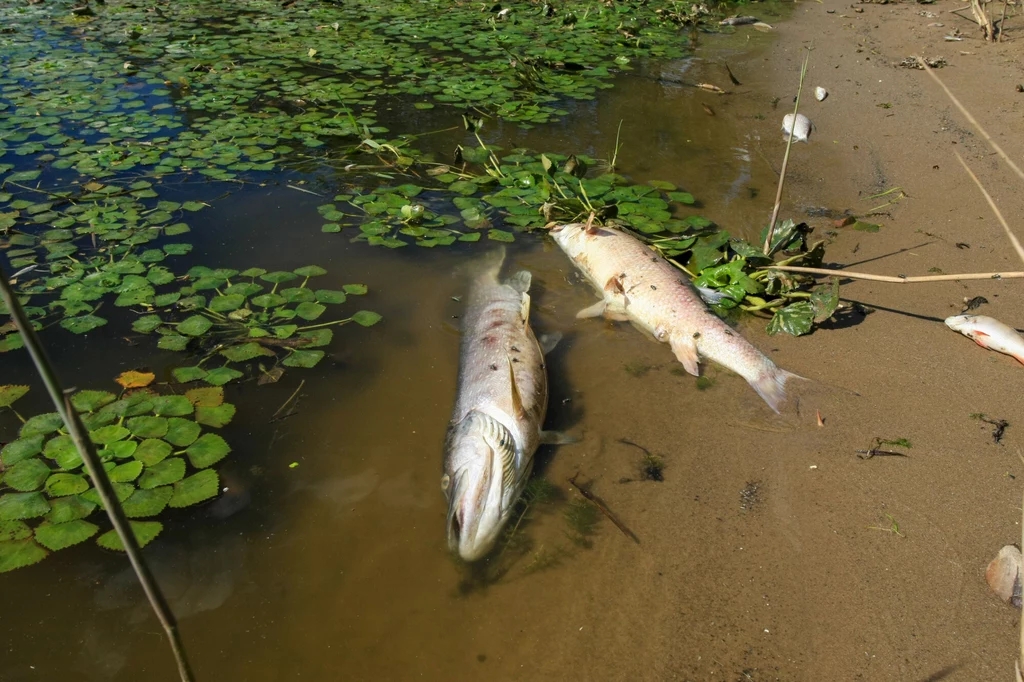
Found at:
<point>207,450</point>
<point>87,401</point>
<point>144,531</point>
<point>197,325</point>
<point>217,416</point>
<point>245,351</point>
<point>355,289</point>
<point>109,434</point>
<point>148,426</point>
<point>187,374</point>
<point>14,530</point>
<point>64,509</point>
<point>303,358</point>
<point>125,473</point>
<point>796,319</point>
<point>366,318</point>
<point>61,485</point>
<point>41,424</point>
<point>196,488</point>
<point>145,503</point>
<point>21,449</point>
<point>310,271</point>
<point>172,406</point>
<point>62,535</point>
<point>8,394</point>
<point>162,473</point>
<point>146,323</point>
<point>182,432</point>
<point>20,553</point>
<point>221,376</point>
<point>27,475</point>
<point>82,323</point>
<point>19,506</point>
<point>152,451</point>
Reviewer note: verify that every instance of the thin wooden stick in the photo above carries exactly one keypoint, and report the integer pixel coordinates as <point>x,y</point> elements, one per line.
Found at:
<point>604,509</point>
<point>785,160</point>
<point>896,280</point>
<point>80,437</point>
<point>992,205</point>
<point>973,121</point>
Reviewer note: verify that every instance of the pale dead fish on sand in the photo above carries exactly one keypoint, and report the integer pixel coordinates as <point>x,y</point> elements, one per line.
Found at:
<point>989,333</point>
<point>1004,575</point>
<point>820,93</point>
<point>636,284</point>
<point>800,129</point>
<point>499,410</point>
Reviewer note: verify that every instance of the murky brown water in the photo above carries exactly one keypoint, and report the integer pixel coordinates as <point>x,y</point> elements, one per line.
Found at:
<point>337,568</point>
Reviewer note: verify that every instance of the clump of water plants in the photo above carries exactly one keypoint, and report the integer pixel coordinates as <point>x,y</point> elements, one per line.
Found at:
<point>581,517</point>
<point>237,317</point>
<point>158,451</point>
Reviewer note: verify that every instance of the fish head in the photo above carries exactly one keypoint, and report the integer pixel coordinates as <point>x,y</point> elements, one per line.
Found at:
<point>961,323</point>
<point>481,482</point>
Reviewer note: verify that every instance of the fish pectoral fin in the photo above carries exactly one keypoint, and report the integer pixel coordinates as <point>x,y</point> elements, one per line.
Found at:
<point>549,341</point>
<point>595,310</point>
<point>686,353</point>
<point>1019,358</point>
<point>524,309</point>
<point>521,281</point>
<point>517,399</point>
<point>558,438</point>
<point>616,311</point>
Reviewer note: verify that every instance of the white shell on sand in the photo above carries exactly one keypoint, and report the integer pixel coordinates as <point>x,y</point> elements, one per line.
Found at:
<point>800,127</point>
<point>1004,575</point>
<point>820,93</point>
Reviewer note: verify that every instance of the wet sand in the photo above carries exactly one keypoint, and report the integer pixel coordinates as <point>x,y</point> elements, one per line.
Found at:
<point>765,554</point>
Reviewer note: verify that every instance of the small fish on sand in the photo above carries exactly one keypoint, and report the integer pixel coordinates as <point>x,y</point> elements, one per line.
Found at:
<point>820,93</point>
<point>989,333</point>
<point>800,127</point>
<point>499,409</point>
<point>638,285</point>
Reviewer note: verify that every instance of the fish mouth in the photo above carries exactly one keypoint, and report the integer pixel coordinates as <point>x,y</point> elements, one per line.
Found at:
<point>476,510</point>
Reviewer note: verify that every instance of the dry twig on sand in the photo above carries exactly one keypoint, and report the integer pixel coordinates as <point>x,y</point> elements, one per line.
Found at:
<point>896,280</point>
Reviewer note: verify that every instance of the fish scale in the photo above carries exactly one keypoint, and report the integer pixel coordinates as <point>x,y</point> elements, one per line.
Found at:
<point>638,285</point>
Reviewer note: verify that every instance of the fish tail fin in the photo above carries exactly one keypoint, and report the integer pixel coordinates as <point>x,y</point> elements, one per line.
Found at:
<point>520,281</point>
<point>1019,358</point>
<point>771,386</point>
<point>488,266</point>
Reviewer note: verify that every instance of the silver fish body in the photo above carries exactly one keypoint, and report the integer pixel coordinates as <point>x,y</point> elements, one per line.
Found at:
<point>799,127</point>
<point>738,21</point>
<point>499,409</point>
<point>638,285</point>
<point>989,333</point>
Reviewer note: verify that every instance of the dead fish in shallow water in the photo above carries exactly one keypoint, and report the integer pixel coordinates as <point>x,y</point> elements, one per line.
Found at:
<point>989,333</point>
<point>738,21</point>
<point>800,130</point>
<point>638,285</point>
<point>499,409</point>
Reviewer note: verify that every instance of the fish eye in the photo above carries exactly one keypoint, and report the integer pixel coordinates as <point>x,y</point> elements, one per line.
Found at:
<point>445,481</point>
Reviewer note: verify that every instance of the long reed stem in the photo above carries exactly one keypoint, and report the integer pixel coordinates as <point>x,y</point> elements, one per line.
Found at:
<point>897,280</point>
<point>785,159</point>
<point>62,401</point>
<point>992,205</point>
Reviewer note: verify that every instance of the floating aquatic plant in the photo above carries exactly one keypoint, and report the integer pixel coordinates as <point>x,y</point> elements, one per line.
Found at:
<point>237,317</point>
<point>157,450</point>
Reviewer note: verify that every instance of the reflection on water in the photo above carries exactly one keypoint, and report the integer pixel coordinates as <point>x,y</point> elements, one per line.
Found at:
<point>336,567</point>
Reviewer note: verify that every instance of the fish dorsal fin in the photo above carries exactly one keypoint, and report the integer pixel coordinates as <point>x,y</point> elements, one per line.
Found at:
<point>521,281</point>
<point>525,308</point>
<point>517,399</point>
